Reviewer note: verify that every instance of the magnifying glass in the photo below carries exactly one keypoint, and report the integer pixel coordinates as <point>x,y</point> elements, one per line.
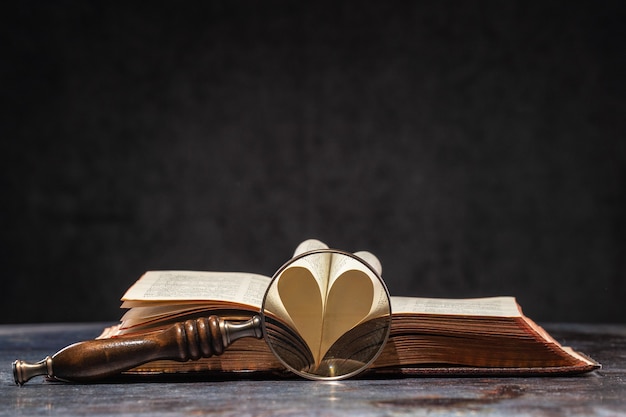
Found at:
<point>326,315</point>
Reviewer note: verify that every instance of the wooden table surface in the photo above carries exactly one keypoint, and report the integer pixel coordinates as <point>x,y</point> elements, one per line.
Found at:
<point>601,393</point>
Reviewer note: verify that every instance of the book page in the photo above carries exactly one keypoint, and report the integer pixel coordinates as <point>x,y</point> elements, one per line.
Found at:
<point>488,307</point>
<point>372,260</point>
<point>324,295</point>
<point>318,265</point>
<point>342,264</point>
<point>309,245</point>
<point>298,299</point>
<point>237,287</point>
<point>348,300</point>
<point>274,307</point>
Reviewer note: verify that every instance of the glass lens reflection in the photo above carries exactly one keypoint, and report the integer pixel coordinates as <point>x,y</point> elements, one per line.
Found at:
<point>326,314</point>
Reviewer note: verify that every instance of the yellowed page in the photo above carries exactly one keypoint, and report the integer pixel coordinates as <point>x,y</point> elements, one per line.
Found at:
<point>300,296</point>
<point>274,304</point>
<point>372,260</point>
<point>318,265</point>
<point>309,245</point>
<point>379,301</point>
<point>488,306</point>
<point>275,307</point>
<point>348,302</point>
<point>236,287</point>
<point>354,295</point>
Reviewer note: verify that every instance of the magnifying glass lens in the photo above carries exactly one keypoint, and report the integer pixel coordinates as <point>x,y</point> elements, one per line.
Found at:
<point>326,314</point>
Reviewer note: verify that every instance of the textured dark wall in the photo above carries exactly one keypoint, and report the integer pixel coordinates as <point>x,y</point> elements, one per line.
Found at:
<point>477,148</point>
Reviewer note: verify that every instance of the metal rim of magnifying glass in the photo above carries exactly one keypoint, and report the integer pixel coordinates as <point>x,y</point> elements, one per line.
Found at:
<point>313,376</point>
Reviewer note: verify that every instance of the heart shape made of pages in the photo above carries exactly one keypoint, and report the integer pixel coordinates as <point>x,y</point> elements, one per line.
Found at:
<point>321,318</point>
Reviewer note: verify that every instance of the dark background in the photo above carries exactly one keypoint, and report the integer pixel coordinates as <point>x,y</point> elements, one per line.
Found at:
<point>476,147</point>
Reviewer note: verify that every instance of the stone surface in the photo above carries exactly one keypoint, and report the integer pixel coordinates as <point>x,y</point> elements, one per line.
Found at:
<point>601,393</point>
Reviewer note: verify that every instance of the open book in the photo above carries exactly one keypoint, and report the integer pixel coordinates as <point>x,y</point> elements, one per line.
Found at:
<point>428,336</point>
<point>323,296</point>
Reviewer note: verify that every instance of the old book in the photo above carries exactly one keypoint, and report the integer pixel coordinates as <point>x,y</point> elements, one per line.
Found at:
<point>428,336</point>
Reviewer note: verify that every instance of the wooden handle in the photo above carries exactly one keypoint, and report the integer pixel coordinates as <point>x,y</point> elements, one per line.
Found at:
<point>101,358</point>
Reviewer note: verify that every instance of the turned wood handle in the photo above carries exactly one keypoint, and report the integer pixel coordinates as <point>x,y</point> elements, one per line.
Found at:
<point>101,358</point>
